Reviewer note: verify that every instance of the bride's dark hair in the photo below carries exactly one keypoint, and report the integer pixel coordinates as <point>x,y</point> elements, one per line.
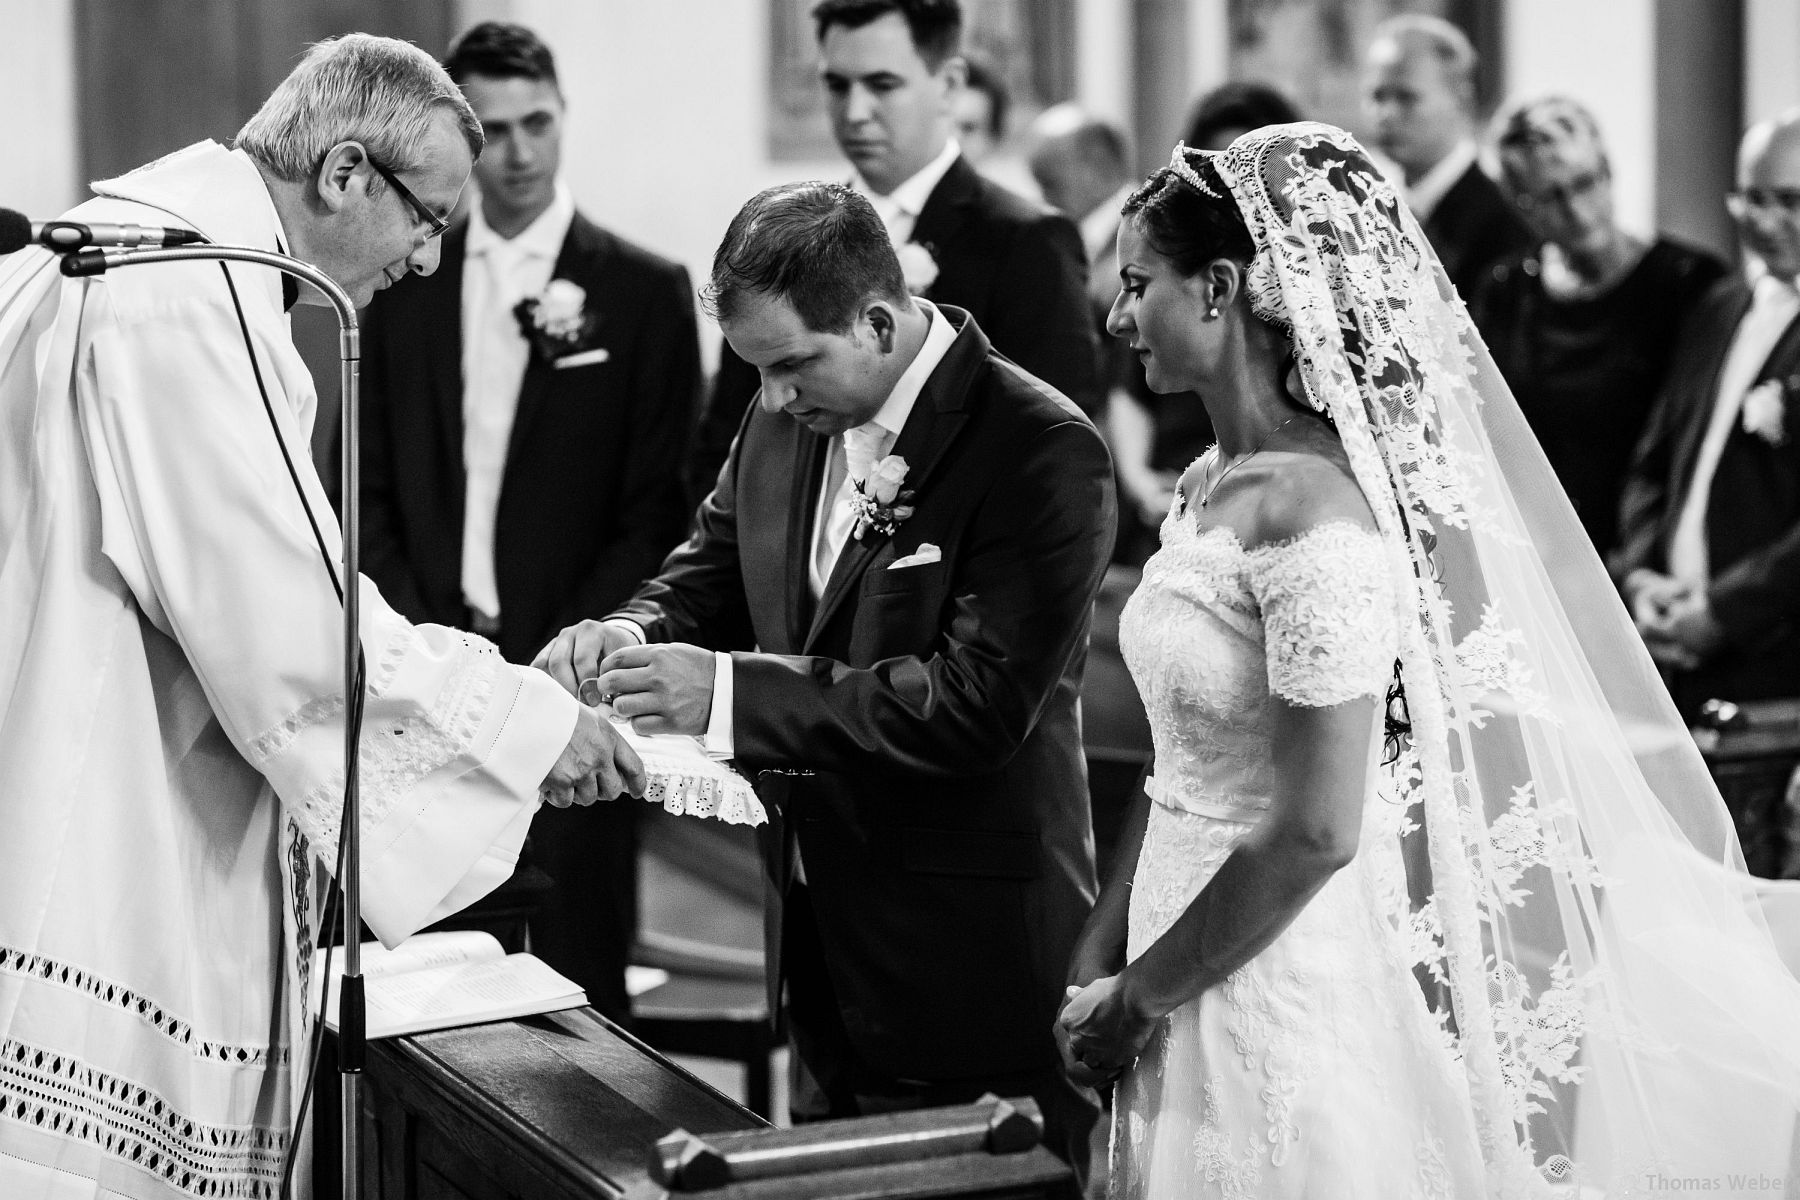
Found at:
<point>1187,227</point>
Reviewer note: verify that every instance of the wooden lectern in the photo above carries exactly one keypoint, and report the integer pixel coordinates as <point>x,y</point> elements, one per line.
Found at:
<point>563,1106</point>
<point>567,1106</point>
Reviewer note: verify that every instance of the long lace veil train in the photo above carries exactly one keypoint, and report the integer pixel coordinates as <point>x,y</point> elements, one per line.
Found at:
<point>1620,1012</point>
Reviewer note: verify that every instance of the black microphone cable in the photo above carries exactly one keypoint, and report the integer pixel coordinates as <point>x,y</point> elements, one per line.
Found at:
<point>353,716</point>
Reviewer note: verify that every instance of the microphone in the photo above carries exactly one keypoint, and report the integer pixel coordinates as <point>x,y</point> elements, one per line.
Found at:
<point>17,232</point>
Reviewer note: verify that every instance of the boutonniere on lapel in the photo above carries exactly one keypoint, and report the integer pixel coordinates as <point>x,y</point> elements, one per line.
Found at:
<point>878,502</point>
<point>918,265</point>
<point>1765,410</point>
<point>556,321</point>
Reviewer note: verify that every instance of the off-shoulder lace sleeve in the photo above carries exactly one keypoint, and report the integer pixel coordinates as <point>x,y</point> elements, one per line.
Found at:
<point>1329,627</point>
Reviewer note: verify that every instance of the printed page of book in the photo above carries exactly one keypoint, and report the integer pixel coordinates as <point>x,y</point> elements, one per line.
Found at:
<point>445,979</point>
<point>467,993</point>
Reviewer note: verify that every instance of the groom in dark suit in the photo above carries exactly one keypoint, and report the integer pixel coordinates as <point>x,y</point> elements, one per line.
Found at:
<point>892,73</point>
<point>910,531</point>
<point>520,470</point>
<point>1709,526</point>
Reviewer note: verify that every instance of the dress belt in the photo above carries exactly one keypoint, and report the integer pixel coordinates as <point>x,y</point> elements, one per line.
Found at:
<point>1169,797</point>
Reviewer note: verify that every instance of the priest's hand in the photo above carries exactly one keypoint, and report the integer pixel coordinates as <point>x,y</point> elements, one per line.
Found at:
<point>666,688</point>
<point>575,654</point>
<point>597,764</point>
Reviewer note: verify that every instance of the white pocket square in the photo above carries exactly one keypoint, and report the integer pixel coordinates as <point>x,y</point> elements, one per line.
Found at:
<point>583,359</point>
<point>926,553</point>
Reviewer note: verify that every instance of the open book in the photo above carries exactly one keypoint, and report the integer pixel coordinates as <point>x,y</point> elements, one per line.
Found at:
<point>442,980</point>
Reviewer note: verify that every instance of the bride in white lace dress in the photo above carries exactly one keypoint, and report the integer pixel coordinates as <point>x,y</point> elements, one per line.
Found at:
<point>1375,539</point>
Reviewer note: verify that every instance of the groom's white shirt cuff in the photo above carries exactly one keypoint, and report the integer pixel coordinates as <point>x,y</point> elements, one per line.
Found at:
<point>717,741</point>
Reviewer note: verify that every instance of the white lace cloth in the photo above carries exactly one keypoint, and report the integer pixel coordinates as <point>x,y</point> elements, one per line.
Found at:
<point>1316,1069</point>
<point>687,781</point>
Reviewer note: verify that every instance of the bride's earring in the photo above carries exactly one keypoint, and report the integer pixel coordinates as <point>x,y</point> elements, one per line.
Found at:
<point>1212,314</point>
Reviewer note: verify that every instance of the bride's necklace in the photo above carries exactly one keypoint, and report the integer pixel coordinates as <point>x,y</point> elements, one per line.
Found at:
<point>1207,490</point>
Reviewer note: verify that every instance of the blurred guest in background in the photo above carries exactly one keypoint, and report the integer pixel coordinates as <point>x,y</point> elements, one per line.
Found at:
<point>1582,326</point>
<point>1082,164</point>
<point>1709,527</point>
<point>891,70</point>
<point>1220,116</point>
<point>1421,96</point>
<point>527,412</point>
<point>978,111</point>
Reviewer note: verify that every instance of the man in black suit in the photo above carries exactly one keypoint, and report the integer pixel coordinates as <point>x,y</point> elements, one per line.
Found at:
<point>910,530</point>
<point>891,72</point>
<point>1709,554</point>
<point>527,410</point>
<point>1421,96</point>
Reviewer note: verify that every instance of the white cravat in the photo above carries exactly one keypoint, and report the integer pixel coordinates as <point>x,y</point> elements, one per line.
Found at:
<point>497,273</point>
<point>852,459</point>
<point>1774,306</point>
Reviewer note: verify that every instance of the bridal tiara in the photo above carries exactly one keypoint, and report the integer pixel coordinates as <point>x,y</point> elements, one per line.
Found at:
<point>1184,171</point>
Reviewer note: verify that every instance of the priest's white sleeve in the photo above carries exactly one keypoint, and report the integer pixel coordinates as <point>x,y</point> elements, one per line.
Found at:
<point>200,515</point>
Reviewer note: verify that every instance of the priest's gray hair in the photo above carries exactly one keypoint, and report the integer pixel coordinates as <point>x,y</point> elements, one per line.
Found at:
<point>378,91</point>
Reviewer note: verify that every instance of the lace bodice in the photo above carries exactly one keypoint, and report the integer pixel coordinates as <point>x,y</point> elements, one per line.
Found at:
<point>1214,630</point>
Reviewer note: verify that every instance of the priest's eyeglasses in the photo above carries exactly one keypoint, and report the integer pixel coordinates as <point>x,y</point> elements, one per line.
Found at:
<point>433,222</point>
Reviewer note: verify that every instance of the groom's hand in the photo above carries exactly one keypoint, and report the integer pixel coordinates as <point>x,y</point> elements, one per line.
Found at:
<point>575,654</point>
<point>666,688</point>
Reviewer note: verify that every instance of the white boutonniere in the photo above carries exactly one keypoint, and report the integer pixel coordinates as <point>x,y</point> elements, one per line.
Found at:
<point>917,265</point>
<point>1765,412</point>
<point>879,502</point>
<point>556,321</point>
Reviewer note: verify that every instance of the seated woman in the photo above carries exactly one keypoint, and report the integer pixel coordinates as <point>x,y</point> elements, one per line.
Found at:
<point>1582,327</point>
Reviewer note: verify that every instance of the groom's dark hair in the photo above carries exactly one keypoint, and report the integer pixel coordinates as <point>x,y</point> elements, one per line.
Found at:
<point>935,25</point>
<point>819,246</point>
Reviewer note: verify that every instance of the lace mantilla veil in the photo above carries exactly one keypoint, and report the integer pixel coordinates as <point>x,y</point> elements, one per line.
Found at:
<point>1618,1006</point>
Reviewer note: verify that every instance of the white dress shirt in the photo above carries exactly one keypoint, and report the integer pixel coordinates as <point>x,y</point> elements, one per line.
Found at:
<point>1424,196</point>
<point>1774,305</point>
<point>831,519</point>
<point>498,272</point>
<point>899,209</point>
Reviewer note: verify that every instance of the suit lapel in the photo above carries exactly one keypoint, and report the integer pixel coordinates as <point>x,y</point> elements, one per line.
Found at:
<point>1781,359</point>
<point>1731,314</point>
<point>807,463</point>
<point>936,419</point>
<point>947,208</point>
<point>440,322</point>
<point>575,261</point>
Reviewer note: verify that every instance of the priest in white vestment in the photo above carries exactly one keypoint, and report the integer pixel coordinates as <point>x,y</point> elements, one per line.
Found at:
<point>171,693</point>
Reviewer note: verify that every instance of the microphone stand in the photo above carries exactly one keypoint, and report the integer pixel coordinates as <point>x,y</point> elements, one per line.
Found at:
<point>352,1023</point>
